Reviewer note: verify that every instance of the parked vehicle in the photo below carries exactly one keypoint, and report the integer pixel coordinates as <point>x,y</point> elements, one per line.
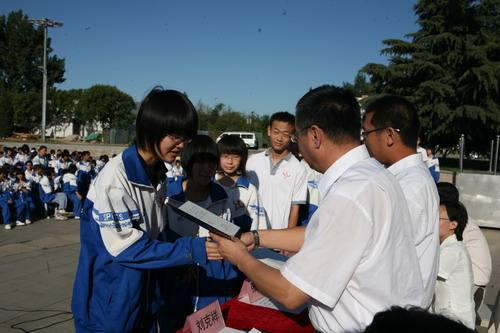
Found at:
<point>249,138</point>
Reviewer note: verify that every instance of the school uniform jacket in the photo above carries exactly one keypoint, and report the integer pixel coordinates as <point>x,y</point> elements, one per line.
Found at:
<point>122,218</point>
<point>215,280</point>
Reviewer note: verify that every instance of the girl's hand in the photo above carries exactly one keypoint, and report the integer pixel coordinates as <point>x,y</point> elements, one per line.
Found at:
<point>212,250</point>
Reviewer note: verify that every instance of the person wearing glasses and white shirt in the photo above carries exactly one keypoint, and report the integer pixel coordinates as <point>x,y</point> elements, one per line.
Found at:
<point>355,258</point>
<point>281,180</point>
<point>390,132</point>
<point>453,295</point>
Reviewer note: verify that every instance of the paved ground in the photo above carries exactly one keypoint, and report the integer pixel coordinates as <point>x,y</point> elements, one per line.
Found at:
<point>37,267</point>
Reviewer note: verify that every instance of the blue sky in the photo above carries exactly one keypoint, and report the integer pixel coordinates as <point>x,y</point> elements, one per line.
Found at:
<point>254,55</point>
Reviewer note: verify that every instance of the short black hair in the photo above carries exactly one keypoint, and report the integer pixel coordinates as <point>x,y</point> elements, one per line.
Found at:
<point>72,168</point>
<point>399,113</point>
<point>458,213</point>
<point>413,320</point>
<point>233,144</point>
<point>201,149</point>
<point>447,192</point>
<point>164,112</point>
<point>334,110</point>
<point>282,116</point>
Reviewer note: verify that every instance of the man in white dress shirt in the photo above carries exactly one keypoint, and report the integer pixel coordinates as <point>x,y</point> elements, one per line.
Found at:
<point>355,257</point>
<point>390,132</point>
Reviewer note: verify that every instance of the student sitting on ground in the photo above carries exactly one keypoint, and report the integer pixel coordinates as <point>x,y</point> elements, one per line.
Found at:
<point>22,199</point>
<point>47,193</point>
<point>71,189</point>
<point>5,199</point>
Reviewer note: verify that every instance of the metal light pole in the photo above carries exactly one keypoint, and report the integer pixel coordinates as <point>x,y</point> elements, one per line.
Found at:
<point>46,23</point>
<point>462,149</point>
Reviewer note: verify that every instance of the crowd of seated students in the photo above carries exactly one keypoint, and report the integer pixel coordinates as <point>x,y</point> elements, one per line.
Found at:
<point>37,183</point>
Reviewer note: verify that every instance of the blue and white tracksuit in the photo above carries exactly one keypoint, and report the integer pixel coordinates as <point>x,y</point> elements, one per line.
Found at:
<point>70,188</point>
<point>5,197</point>
<point>244,195</point>
<point>23,201</point>
<point>190,288</point>
<point>115,285</point>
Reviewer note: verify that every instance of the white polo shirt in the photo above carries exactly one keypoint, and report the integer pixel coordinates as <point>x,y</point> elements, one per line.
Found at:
<point>279,185</point>
<point>423,202</point>
<point>357,258</point>
<point>454,287</point>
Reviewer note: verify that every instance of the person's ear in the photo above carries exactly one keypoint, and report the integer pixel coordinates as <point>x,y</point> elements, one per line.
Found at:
<point>316,136</point>
<point>269,131</point>
<point>390,136</point>
<point>453,225</point>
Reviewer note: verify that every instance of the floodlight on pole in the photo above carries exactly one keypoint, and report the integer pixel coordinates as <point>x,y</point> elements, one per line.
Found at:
<point>45,23</point>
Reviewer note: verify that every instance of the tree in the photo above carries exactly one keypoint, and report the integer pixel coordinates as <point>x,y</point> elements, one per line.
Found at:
<point>450,68</point>
<point>107,105</point>
<point>21,56</point>
<point>6,111</point>
<point>64,107</point>
<point>361,85</point>
<point>27,114</point>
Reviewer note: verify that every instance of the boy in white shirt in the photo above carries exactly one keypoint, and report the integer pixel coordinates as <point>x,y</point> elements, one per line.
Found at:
<point>279,177</point>
<point>453,296</point>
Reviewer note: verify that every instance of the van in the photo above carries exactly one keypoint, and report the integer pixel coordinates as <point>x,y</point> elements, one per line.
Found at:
<point>248,137</point>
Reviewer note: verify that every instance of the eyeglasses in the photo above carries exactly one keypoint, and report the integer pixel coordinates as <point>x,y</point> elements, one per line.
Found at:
<point>179,139</point>
<point>364,133</point>
<point>294,138</point>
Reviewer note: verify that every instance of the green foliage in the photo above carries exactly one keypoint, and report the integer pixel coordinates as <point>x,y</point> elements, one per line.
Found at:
<point>450,68</point>
<point>6,111</point>
<point>107,105</point>
<point>27,110</point>
<point>221,118</point>
<point>361,85</point>
<point>21,56</point>
<point>65,107</point>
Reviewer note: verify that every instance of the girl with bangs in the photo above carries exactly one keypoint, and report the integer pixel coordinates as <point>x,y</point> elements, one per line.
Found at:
<point>233,155</point>
<point>115,288</point>
<point>190,288</point>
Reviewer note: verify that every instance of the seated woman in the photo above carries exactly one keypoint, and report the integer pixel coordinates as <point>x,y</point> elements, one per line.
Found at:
<point>233,155</point>
<point>453,293</point>
<point>190,288</point>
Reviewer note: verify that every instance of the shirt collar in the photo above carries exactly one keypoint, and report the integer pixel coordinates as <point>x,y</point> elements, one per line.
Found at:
<point>449,240</point>
<point>135,168</point>
<point>337,169</point>
<point>267,152</point>
<point>405,163</point>
<point>243,181</point>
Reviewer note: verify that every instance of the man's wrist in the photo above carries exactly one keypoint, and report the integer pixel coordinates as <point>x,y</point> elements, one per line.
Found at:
<point>256,238</point>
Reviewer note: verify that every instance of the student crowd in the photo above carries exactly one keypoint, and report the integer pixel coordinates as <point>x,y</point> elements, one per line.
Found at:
<point>351,203</point>
<point>36,182</point>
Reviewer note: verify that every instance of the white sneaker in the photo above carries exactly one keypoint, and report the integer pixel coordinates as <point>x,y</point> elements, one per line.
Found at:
<point>77,217</point>
<point>60,217</point>
<point>28,222</point>
<point>20,223</point>
<point>8,227</point>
